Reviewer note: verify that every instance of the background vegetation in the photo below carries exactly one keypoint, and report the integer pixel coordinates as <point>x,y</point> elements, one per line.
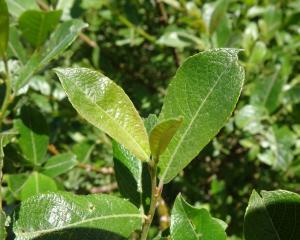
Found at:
<point>139,44</point>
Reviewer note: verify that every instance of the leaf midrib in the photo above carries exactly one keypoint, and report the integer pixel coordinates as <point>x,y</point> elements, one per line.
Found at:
<point>42,232</point>
<point>190,124</point>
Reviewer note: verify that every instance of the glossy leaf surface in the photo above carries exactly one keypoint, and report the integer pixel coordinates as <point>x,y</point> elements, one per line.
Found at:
<point>204,91</point>
<point>105,105</point>
<point>161,135</point>
<point>67,216</point>
<point>59,164</point>
<point>37,25</point>
<point>34,137</point>
<point>272,215</point>
<point>128,171</point>
<point>4,27</point>
<point>37,183</point>
<point>59,40</point>
<point>190,223</point>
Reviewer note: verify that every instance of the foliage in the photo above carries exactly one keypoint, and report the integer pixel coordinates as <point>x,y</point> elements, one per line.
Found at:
<point>56,79</point>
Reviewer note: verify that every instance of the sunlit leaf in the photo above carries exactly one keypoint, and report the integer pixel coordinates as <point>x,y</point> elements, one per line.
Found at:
<point>204,91</point>
<point>105,105</point>
<point>64,216</point>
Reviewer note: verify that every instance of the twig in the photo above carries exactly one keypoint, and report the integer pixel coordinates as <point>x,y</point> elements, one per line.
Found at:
<point>82,36</point>
<point>105,189</point>
<point>155,195</point>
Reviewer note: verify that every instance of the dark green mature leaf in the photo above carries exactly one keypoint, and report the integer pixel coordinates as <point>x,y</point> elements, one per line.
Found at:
<point>190,223</point>
<point>162,134</point>
<point>128,171</point>
<point>37,25</point>
<point>4,27</point>
<point>17,7</point>
<point>34,137</point>
<point>2,225</point>
<point>37,183</point>
<point>59,164</point>
<point>105,105</point>
<point>275,215</point>
<point>204,91</point>
<point>67,216</point>
<point>59,40</point>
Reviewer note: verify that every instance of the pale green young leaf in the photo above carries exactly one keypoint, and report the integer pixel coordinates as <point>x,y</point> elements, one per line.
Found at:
<point>162,134</point>
<point>59,40</point>
<point>37,25</point>
<point>59,164</point>
<point>204,91</point>
<point>65,216</point>
<point>37,183</point>
<point>272,215</point>
<point>34,138</point>
<point>4,28</point>
<point>105,105</point>
<point>190,223</point>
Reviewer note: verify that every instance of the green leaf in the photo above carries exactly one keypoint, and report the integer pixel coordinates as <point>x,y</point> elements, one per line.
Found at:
<point>59,40</point>
<point>67,216</point>
<point>190,223</point>
<point>15,47</point>
<point>204,91</point>
<point>273,215</point>
<point>4,28</point>
<point>37,183</point>
<point>217,15</point>
<point>105,105</point>
<point>162,134</point>
<point>17,7</point>
<point>2,225</point>
<point>16,183</point>
<point>150,122</point>
<point>34,137</point>
<point>83,151</point>
<point>128,170</point>
<point>268,89</point>
<point>59,164</point>
<point>37,25</point>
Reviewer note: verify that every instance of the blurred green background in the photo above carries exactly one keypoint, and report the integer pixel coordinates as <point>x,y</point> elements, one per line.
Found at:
<point>139,44</point>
